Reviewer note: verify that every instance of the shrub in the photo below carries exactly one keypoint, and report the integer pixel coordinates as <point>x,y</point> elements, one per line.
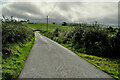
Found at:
<point>90,39</point>
<point>13,33</point>
<point>56,32</point>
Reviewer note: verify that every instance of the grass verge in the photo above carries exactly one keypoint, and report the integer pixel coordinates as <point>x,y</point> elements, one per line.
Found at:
<point>110,66</point>
<point>12,65</point>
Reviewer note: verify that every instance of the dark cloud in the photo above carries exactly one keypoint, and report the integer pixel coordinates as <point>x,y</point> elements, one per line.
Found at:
<point>65,6</point>
<point>24,7</point>
<point>8,12</point>
<point>64,11</point>
<point>21,10</point>
<point>112,19</point>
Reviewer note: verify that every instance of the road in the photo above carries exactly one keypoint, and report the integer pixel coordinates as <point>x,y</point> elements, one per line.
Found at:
<point>48,59</point>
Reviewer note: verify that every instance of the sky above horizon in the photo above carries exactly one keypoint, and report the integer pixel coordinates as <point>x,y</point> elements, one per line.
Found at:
<point>83,12</point>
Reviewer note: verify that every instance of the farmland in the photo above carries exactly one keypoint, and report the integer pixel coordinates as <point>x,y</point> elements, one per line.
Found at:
<point>43,27</point>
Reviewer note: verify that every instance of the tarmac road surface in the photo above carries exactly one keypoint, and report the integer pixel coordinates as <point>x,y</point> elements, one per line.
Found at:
<point>48,59</point>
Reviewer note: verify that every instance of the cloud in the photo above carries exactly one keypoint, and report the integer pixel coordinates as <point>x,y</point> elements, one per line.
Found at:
<point>103,12</point>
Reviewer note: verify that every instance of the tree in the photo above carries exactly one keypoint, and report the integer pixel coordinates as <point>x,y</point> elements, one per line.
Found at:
<point>64,24</point>
<point>53,22</point>
<point>28,21</point>
<point>11,18</point>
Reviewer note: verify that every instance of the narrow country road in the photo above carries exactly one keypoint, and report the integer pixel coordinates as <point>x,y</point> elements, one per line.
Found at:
<point>48,59</point>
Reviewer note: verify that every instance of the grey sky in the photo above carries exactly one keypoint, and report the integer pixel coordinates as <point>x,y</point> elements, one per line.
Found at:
<point>103,12</point>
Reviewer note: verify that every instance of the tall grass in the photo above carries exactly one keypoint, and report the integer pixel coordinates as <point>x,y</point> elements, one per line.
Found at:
<point>13,33</point>
<point>17,41</point>
<point>12,65</point>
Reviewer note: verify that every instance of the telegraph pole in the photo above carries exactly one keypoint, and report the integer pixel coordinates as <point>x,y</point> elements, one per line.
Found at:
<point>47,23</point>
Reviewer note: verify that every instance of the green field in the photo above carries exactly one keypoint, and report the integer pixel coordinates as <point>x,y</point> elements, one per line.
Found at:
<point>43,27</point>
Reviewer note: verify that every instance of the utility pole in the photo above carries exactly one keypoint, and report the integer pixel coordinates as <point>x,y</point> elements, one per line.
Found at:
<point>47,23</point>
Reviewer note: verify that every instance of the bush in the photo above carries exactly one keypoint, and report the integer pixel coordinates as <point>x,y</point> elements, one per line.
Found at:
<point>90,39</point>
<point>95,42</point>
<point>56,32</point>
<point>13,33</point>
<point>64,24</point>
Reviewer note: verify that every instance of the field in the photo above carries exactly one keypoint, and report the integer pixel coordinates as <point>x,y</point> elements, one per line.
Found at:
<point>43,27</point>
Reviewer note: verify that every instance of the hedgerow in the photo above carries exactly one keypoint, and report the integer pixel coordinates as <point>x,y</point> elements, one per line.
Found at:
<point>17,41</point>
<point>13,32</point>
<point>90,39</point>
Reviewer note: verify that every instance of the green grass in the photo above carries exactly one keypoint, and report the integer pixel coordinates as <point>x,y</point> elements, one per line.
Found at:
<point>107,65</point>
<point>0,66</point>
<point>110,66</point>
<point>12,65</point>
<point>51,27</point>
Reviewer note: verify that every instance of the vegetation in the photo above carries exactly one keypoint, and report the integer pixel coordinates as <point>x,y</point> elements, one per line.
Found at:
<point>12,65</point>
<point>107,65</point>
<point>43,27</point>
<point>64,24</point>
<point>96,44</point>
<point>0,51</point>
<point>89,40</point>
<point>17,41</point>
<point>110,66</point>
<point>101,46</point>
